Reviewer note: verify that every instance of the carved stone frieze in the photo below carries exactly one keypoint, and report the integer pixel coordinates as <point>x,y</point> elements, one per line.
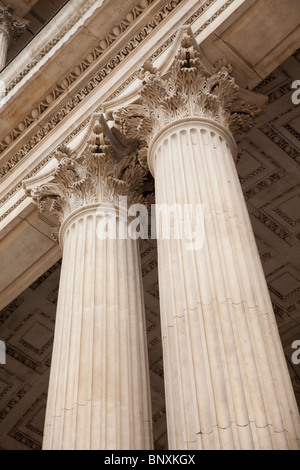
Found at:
<point>25,368</point>
<point>11,25</point>
<point>114,34</point>
<point>79,69</point>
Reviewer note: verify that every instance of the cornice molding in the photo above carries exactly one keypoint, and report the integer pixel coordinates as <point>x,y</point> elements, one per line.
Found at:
<point>60,115</point>
<point>45,48</point>
<point>62,88</point>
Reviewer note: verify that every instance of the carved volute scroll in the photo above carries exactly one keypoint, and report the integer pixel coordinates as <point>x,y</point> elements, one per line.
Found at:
<point>187,90</point>
<point>98,175</point>
<point>11,25</point>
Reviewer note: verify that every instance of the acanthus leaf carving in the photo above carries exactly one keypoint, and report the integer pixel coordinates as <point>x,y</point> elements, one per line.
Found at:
<point>95,176</point>
<point>187,90</point>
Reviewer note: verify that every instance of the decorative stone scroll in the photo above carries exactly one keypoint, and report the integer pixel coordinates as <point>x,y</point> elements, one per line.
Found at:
<point>10,23</point>
<point>188,89</point>
<point>99,175</point>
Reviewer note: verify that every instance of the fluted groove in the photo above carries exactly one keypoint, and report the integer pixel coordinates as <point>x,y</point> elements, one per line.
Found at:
<point>3,47</point>
<point>273,347</point>
<point>99,387</point>
<point>227,384</point>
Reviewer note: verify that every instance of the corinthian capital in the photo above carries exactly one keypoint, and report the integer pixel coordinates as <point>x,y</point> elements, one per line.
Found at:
<point>96,176</point>
<point>188,89</point>
<point>11,25</point>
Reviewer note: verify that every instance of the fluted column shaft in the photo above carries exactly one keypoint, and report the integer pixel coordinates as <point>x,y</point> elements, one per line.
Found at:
<point>99,392</point>
<point>4,37</point>
<point>226,380</point>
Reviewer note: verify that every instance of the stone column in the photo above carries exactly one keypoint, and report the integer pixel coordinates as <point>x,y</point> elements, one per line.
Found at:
<point>11,27</point>
<point>99,395</point>
<point>226,380</point>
